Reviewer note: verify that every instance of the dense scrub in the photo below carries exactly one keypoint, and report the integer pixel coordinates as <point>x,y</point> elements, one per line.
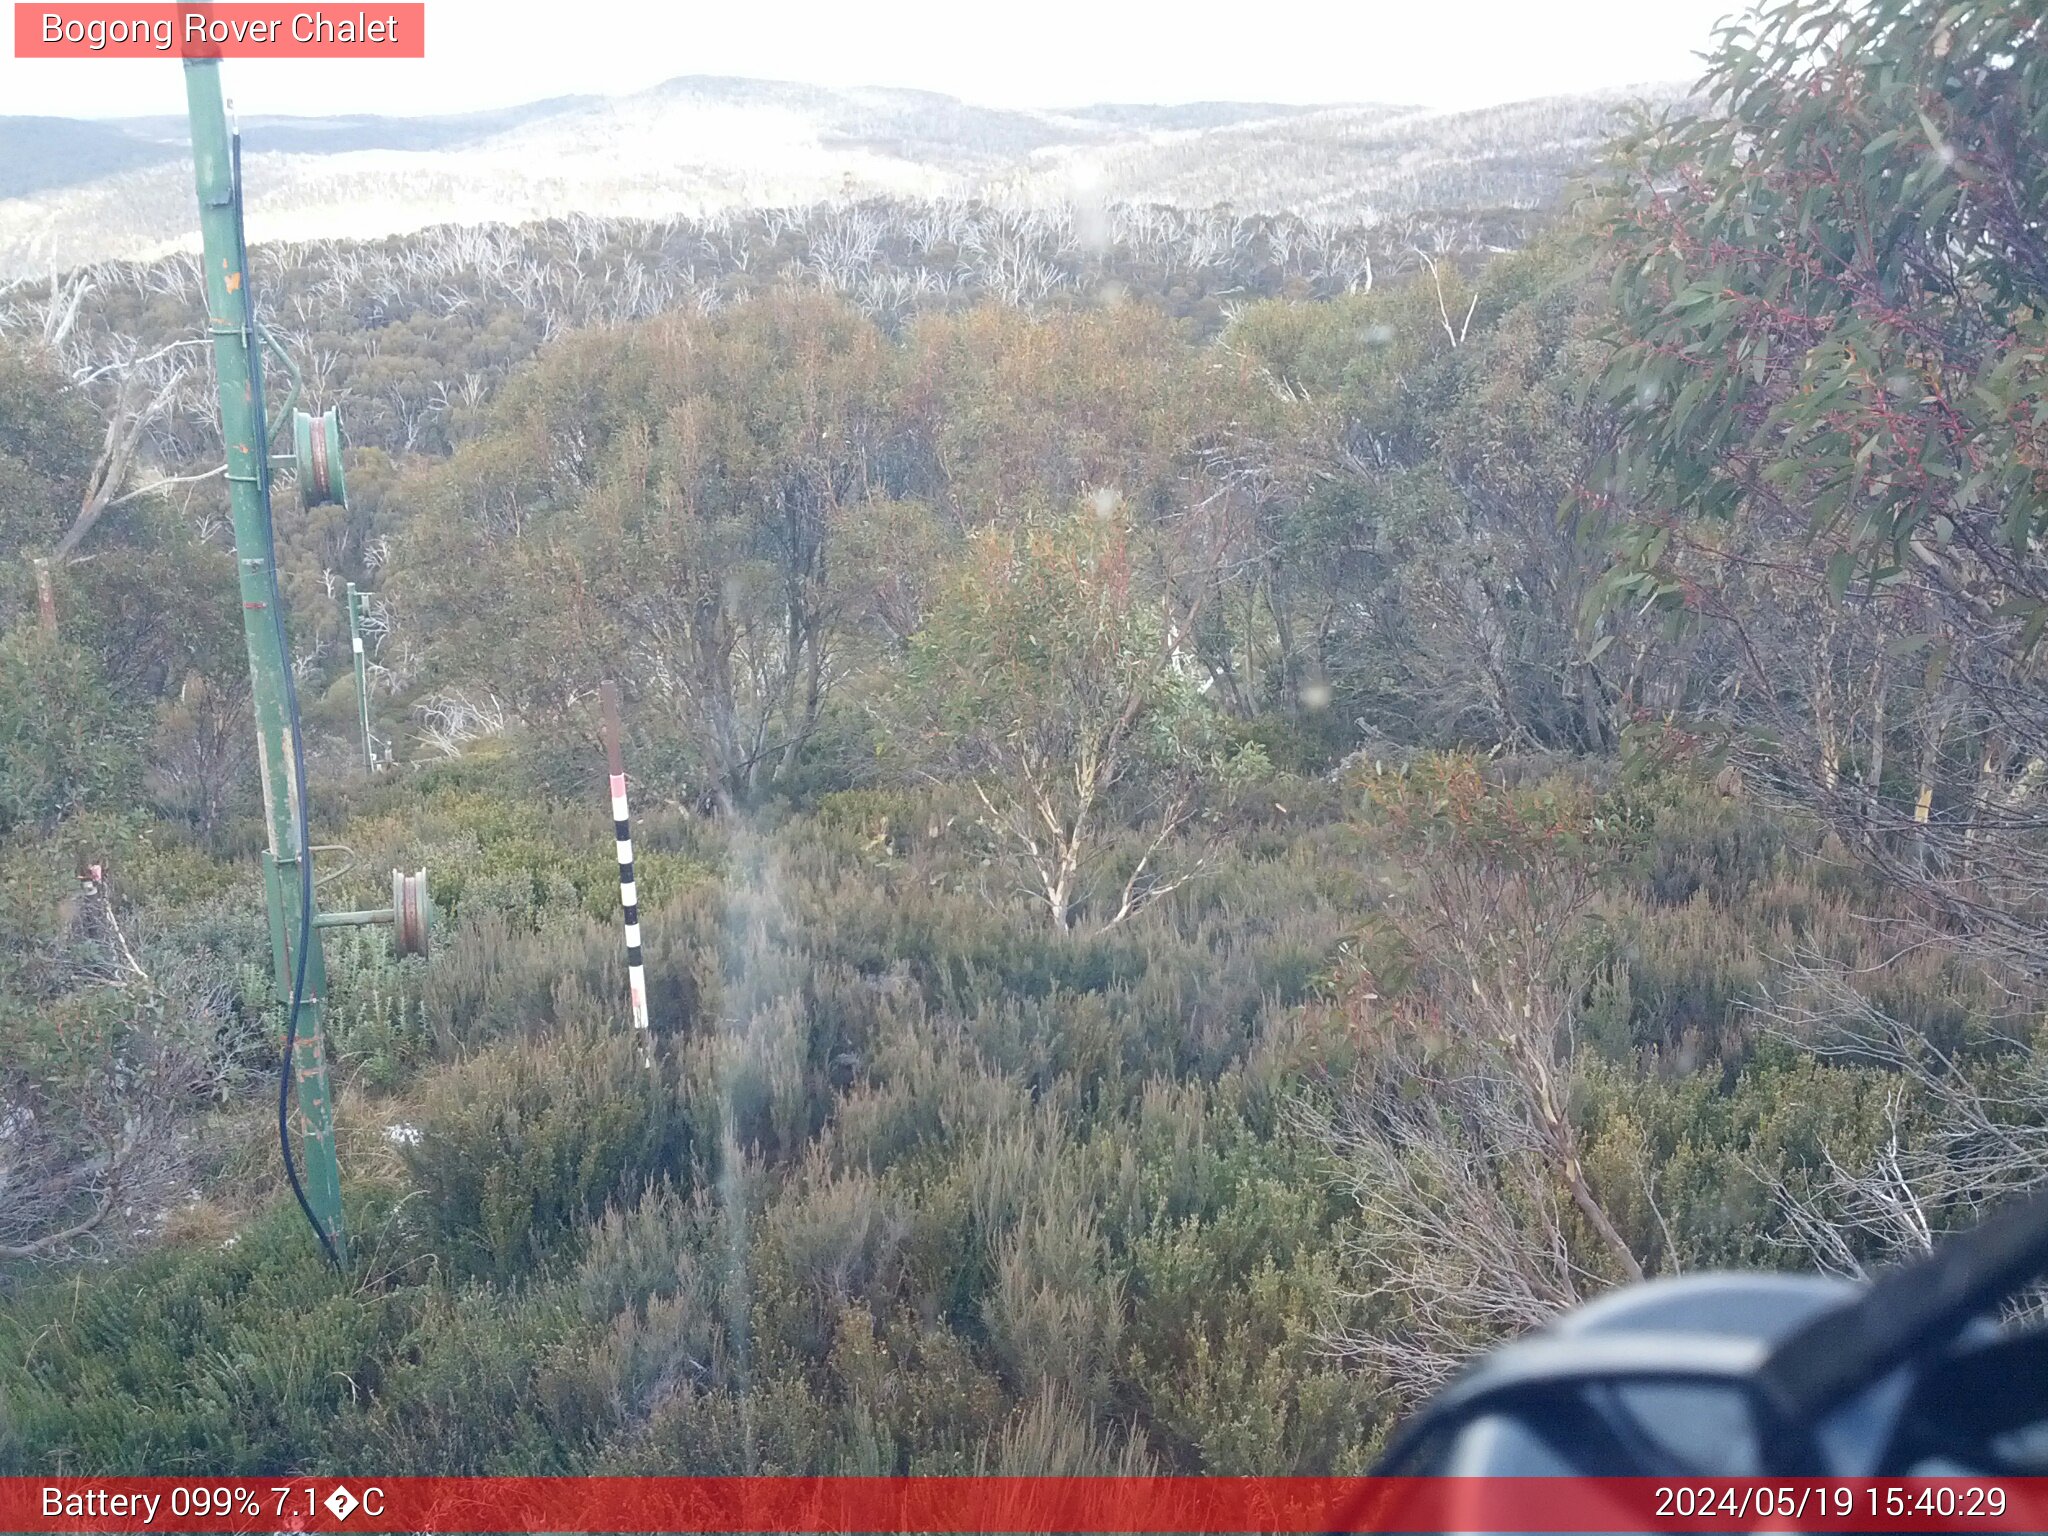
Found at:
<point>1189,882</point>
<point>918,1183</point>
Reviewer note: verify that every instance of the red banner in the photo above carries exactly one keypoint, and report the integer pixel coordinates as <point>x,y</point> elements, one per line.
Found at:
<point>208,30</point>
<point>1021,1504</point>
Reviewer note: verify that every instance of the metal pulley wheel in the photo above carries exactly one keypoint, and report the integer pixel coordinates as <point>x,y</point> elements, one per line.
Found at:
<point>316,441</point>
<point>412,914</point>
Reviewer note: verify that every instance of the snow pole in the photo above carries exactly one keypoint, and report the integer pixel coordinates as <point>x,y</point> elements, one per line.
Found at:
<point>355,645</point>
<point>629,894</point>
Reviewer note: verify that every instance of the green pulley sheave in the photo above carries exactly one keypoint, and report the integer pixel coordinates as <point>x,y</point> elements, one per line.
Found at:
<point>317,440</point>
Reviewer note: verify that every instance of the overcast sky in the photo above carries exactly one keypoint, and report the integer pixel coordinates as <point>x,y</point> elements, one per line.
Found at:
<point>481,53</point>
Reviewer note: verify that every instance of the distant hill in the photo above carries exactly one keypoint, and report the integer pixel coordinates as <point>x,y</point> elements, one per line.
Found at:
<point>338,135</point>
<point>73,192</point>
<point>39,154</point>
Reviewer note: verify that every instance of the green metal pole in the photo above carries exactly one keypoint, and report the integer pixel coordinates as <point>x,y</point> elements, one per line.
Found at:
<point>355,645</point>
<point>237,359</point>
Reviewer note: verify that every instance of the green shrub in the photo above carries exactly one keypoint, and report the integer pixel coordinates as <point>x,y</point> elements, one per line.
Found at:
<point>253,1356</point>
<point>521,1145</point>
<point>66,742</point>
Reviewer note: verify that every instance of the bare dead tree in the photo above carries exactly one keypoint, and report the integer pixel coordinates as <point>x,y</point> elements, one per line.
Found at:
<point>451,720</point>
<point>1459,1233</point>
<point>51,1194</point>
<point>1478,1218</point>
<point>1507,933</point>
<point>1457,335</point>
<point>1962,1133</point>
<point>60,311</point>
<point>77,1150</point>
<point>133,410</point>
<point>202,750</point>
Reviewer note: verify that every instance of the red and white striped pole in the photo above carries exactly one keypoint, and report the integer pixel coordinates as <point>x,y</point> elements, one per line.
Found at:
<point>629,894</point>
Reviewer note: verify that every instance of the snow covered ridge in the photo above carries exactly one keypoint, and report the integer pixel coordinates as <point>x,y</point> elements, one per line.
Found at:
<point>74,192</point>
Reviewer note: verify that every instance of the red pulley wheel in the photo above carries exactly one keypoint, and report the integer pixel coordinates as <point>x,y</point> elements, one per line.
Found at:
<point>412,913</point>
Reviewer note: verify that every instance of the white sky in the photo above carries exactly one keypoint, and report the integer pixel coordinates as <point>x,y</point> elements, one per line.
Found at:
<point>481,53</point>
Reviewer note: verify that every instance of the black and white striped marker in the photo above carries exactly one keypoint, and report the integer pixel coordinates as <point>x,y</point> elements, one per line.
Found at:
<point>629,891</point>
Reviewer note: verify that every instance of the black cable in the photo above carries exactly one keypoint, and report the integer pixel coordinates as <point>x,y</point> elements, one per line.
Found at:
<point>301,830</point>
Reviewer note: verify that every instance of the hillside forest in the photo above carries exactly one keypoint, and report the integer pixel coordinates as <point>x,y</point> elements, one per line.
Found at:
<point>1229,810</point>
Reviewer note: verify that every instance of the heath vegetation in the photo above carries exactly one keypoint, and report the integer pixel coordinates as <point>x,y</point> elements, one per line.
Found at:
<point>1199,862</point>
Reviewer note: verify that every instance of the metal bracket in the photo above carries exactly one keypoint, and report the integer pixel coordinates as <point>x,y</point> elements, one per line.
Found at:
<point>410,915</point>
